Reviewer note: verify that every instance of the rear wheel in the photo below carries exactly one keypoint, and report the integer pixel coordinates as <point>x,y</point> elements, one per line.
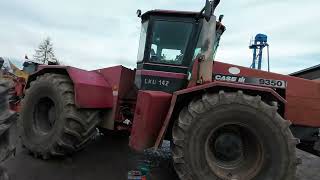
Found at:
<point>50,124</point>
<point>233,136</point>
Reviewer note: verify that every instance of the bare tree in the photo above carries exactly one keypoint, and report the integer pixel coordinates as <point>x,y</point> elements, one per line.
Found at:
<point>45,53</point>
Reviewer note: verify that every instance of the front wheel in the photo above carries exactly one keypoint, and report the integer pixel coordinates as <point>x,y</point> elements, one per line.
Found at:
<point>233,136</point>
<point>50,122</point>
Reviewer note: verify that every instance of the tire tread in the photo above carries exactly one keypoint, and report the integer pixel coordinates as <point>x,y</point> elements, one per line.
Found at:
<point>209,101</point>
<point>84,121</point>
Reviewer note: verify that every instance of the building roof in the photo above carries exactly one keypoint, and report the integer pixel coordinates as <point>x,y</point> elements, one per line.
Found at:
<point>313,68</point>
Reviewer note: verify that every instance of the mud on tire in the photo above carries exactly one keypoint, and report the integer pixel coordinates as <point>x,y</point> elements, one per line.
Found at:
<point>50,124</point>
<point>233,136</point>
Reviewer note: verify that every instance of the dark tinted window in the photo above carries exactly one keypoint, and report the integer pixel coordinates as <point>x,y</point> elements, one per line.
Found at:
<point>169,41</point>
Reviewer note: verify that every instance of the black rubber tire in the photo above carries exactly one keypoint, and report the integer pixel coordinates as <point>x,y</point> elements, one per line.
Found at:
<point>196,121</point>
<point>72,129</point>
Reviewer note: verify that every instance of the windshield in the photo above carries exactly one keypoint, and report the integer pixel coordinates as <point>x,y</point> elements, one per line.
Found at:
<point>169,41</point>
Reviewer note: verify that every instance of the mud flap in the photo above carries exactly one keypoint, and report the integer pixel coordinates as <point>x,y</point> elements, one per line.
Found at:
<point>151,110</point>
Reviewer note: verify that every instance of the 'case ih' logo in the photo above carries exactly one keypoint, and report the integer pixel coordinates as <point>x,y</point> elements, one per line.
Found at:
<point>251,80</point>
<point>229,78</point>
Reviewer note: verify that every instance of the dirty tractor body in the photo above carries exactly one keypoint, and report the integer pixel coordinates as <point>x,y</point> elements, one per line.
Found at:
<point>224,121</point>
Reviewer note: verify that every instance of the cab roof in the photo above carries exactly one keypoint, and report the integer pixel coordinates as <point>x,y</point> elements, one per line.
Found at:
<point>172,13</point>
<point>159,12</point>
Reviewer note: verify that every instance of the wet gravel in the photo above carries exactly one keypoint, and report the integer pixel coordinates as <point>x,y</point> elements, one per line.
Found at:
<point>110,158</point>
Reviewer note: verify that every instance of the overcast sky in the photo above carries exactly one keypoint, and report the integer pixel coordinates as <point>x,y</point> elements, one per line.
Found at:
<point>99,33</point>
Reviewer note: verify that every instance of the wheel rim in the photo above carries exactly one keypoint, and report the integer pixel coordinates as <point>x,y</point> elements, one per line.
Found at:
<point>44,115</point>
<point>234,151</point>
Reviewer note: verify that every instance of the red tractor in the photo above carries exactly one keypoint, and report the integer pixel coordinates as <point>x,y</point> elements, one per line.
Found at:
<point>224,121</point>
<point>17,81</point>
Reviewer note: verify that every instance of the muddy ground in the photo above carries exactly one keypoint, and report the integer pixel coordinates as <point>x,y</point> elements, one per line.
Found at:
<point>109,158</point>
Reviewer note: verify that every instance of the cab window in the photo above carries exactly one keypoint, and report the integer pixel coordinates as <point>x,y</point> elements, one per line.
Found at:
<point>169,41</point>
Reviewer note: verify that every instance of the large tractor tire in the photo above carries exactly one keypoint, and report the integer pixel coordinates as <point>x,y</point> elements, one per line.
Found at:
<point>233,136</point>
<point>50,123</point>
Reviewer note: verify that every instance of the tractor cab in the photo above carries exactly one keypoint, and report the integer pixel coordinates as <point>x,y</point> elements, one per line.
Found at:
<point>30,67</point>
<point>170,41</point>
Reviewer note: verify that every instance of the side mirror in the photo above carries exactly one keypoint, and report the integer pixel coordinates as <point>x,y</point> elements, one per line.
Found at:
<point>221,17</point>
<point>139,12</point>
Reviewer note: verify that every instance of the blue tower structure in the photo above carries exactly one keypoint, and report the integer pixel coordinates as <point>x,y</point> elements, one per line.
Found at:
<point>259,43</point>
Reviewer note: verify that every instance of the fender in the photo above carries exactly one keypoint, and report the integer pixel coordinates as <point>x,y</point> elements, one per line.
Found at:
<point>180,98</point>
<point>150,113</point>
<point>90,87</point>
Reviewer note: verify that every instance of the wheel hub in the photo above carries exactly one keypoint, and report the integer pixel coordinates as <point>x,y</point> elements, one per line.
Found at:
<point>233,150</point>
<point>44,115</point>
<point>228,147</point>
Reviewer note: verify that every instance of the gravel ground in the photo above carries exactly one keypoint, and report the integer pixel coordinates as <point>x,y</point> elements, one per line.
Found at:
<point>110,158</point>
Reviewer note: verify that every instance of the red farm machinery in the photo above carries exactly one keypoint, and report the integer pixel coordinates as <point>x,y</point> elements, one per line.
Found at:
<point>17,80</point>
<point>224,121</point>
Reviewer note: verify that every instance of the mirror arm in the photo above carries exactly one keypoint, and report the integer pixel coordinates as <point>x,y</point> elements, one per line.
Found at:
<point>215,4</point>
